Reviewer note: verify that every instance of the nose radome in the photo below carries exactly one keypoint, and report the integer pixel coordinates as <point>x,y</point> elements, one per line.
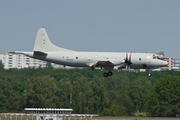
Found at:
<point>165,63</point>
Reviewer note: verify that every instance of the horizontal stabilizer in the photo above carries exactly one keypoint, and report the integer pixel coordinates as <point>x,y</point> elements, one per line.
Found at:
<point>11,52</point>
<point>20,52</point>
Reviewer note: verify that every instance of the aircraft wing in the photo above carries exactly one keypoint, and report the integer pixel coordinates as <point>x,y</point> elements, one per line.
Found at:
<point>39,53</point>
<point>103,63</point>
<point>108,63</point>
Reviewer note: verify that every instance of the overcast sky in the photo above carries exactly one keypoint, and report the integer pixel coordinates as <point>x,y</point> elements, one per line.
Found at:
<point>93,25</point>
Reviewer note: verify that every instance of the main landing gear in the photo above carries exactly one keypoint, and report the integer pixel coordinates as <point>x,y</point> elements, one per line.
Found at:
<point>106,74</point>
<point>92,68</point>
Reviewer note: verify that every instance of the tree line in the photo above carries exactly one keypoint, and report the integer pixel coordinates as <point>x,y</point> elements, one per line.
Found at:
<point>124,93</point>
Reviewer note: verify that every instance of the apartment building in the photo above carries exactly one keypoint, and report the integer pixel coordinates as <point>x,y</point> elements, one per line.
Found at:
<point>22,61</point>
<point>170,63</point>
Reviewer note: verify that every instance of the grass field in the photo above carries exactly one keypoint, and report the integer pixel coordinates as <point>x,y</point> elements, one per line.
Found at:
<point>98,118</point>
<point>136,118</point>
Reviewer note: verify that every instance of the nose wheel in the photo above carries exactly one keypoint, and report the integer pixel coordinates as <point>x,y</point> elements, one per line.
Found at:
<point>106,74</point>
<point>149,73</point>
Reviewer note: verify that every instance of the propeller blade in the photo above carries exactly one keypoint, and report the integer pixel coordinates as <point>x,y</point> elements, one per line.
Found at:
<point>130,58</point>
<point>128,61</point>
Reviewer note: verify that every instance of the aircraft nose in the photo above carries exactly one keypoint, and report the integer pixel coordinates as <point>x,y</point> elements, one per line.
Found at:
<point>165,63</point>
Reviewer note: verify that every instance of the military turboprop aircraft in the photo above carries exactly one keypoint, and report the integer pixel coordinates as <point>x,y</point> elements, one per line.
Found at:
<point>45,50</point>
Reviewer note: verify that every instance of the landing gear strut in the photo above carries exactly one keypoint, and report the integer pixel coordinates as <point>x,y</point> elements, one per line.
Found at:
<point>92,68</point>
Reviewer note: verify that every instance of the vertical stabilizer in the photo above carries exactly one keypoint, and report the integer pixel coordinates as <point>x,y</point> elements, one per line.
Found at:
<point>43,43</point>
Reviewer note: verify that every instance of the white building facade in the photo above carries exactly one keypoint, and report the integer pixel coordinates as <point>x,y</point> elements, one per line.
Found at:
<point>22,61</point>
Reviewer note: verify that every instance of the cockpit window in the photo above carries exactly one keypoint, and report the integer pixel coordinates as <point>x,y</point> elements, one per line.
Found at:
<point>156,57</point>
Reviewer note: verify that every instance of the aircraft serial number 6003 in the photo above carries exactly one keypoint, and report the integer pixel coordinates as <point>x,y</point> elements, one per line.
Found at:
<point>47,51</point>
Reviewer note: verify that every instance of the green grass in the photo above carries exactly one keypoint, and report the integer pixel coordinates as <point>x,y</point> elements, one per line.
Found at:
<point>98,118</point>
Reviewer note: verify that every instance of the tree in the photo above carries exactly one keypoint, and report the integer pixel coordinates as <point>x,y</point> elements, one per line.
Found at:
<point>42,92</point>
<point>9,95</point>
<point>138,92</point>
<point>48,65</point>
<point>164,98</point>
<point>1,65</point>
<point>99,100</point>
<point>81,95</point>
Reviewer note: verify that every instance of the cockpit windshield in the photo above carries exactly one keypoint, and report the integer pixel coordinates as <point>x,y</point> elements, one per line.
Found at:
<point>156,57</point>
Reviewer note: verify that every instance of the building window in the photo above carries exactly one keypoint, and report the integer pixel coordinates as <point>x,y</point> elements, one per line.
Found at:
<point>10,66</point>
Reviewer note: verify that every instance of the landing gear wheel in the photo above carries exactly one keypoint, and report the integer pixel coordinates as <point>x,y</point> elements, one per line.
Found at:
<point>105,74</point>
<point>149,73</point>
<point>110,73</point>
<point>92,68</point>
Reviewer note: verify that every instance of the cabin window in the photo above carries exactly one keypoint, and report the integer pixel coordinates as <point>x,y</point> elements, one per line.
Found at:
<point>76,57</point>
<point>140,59</point>
<point>154,57</point>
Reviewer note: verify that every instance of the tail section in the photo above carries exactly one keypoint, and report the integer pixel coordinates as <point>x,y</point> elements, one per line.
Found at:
<point>43,43</point>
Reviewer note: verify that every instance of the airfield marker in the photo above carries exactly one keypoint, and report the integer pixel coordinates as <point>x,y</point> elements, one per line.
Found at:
<point>32,116</point>
<point>96,118</point>
<point>86,117</point>
<point>75,117</point>
<point>81,117</point>
<point>21,116</point>
<point>91,117</point>
<point>69,117</point>
<point>44,116</point>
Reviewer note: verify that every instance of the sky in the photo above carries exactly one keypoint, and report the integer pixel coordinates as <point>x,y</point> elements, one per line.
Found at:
<point>93,25</point>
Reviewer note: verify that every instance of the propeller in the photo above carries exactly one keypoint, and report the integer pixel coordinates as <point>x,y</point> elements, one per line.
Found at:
<point>128,61</point>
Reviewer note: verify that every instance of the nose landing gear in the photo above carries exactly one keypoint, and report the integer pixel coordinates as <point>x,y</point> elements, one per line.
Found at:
<point>149,73</point>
